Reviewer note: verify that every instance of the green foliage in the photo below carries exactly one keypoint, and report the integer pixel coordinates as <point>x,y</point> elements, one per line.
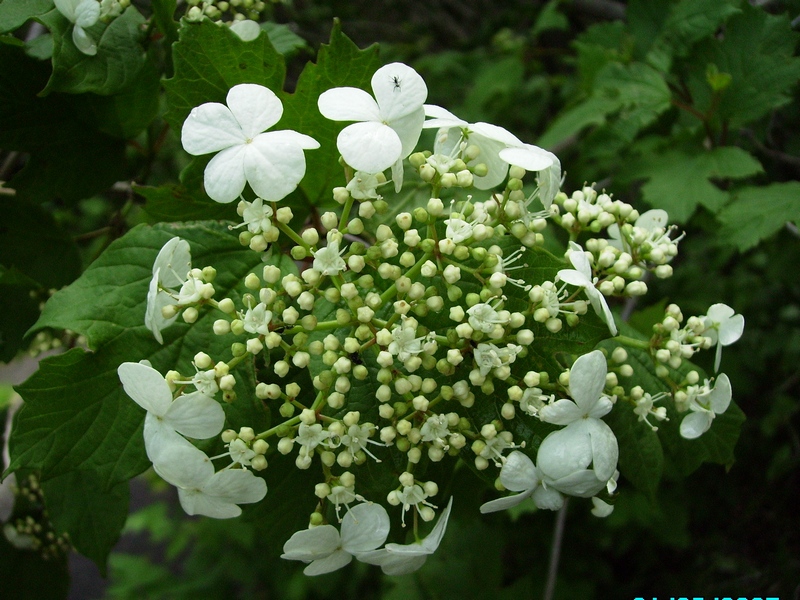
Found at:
<point>756,213</point>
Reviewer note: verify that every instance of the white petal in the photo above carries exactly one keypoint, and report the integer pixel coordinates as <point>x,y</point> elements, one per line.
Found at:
<point>580,260</point>
<point>731,330</point>
<point>561,412</point>
<point>196,415</point>
<point>195,502</point>
<point>505,503</point>
<point>601,509</point>
<point>573,277</point>
<point>184,466</point>
<point>160,437</point>
<point>312,544</point>
<point>720,396</point>
<point>495,133</point>
<point>246,29</point>
<point>334,562</point>
<point>175,261</point>
<point>601,408</point>
<point>652,219</point>
<point>370,147</point>
<point>587,378</point>
<point>548,498</point>
<point>274,165</point>
<point>605,450</point>
<point>364,527</point>
<point>719,313</point>
<point>549,182</point>
<point>717,357</point>
<point>431,543</point>
<point>497,168</point>
<point>83,42</point>
<point>518,473</point>
<point>601,307</point>
<point>210,127</point>
<point>696,424</point>
<point>583,484</point>
<point>255,107</point>
<point>394,564</point>
<point>408,128</point>
<point>397,175</point>
<point>224,177</point>
<point>68,8</point>
<point>441,118</point>
<point>565,451</point>
<point>146,386</point>
<point>399,90</point>
<point>7,497</point>
<point>529,158</point>
<point>87,13</point>
<point>236,486</point>
<point>153,319</point>
<point>348,104</point>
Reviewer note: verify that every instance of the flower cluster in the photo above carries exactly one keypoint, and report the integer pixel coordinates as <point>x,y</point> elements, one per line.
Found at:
<point>372,356</point>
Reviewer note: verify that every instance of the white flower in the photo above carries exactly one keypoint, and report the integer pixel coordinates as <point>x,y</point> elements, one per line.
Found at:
<point>311,436</point>
<point>705,406</point>
<point>82,13</point>
<point>170,269</point>
<point>272,163</point>
<point>483,317</point>
<point>544,163</point>
<point>194,415</point>
<point>404,344</point>
<point>520,474</point>
<point>723,327</point>
<point>654,222</point>
<point>490,356</point>
<point>455,134</point>
<point>256,215</point>
<point>257,319</point>
<point>581,276</point>
<point>202,491</point>
<point>328,260</point>
<point>388,126</point>
<point>364,186</point>
<point>402,559</point>
<point>565,455</point>
<point>364,528</point>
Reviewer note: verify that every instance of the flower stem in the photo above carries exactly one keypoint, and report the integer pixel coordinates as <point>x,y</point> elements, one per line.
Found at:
<point>632,342</point>
<point>555,552</point>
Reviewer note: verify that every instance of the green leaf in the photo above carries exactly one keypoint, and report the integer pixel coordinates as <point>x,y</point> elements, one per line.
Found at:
<point>163,13</point>
<point>339,63</point>
<point>174,203</point>
<point>21,309</point>
<point>283,39</point>
<point>209,60</point>
<point>690,21</point>
<point>758,212</point>
<point>77,503</point>
<point>14,13</point>
<point>679,181</point>
<point>758,52</point>
<point>117,63</point>
<point>593,111</point>
<point>641,459</point>
<point>51,129</point>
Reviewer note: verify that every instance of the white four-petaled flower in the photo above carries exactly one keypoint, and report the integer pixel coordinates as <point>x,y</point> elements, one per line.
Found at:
<point>520,474</point>
<point>194,415</point>
<point>272,163</point>
<point>387,126</point>
<point>82,13</point>
<point>402,559</point>
<point>364,528</point>
<point>705,406</point>
<point>723,327</point>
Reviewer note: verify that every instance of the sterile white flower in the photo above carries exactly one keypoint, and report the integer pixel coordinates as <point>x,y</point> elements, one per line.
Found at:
<point>723,327</point>
<point>520,474</point>
<point>82,13</point>
<point>364,528</point>
<point>202,491</point>
<point>565,455</point>
<point>272,163</point>
<point>194,415</point>
<point>388,126</point>
<point>705,406</point>
<point>581,276</point>
<point>170,269</point>
<point>455,133</point>
<point>401,559</point>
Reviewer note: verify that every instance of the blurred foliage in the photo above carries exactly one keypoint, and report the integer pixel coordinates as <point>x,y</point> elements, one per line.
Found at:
<point>687,105</point>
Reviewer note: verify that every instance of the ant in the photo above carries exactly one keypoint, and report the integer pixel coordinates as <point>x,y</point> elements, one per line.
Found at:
<point>396,82</point>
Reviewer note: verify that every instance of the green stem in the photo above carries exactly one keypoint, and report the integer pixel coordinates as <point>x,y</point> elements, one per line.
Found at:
<point>632,342</point>
<point>411,273</point>
<point>293,235</point>
<point>345,213</point>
